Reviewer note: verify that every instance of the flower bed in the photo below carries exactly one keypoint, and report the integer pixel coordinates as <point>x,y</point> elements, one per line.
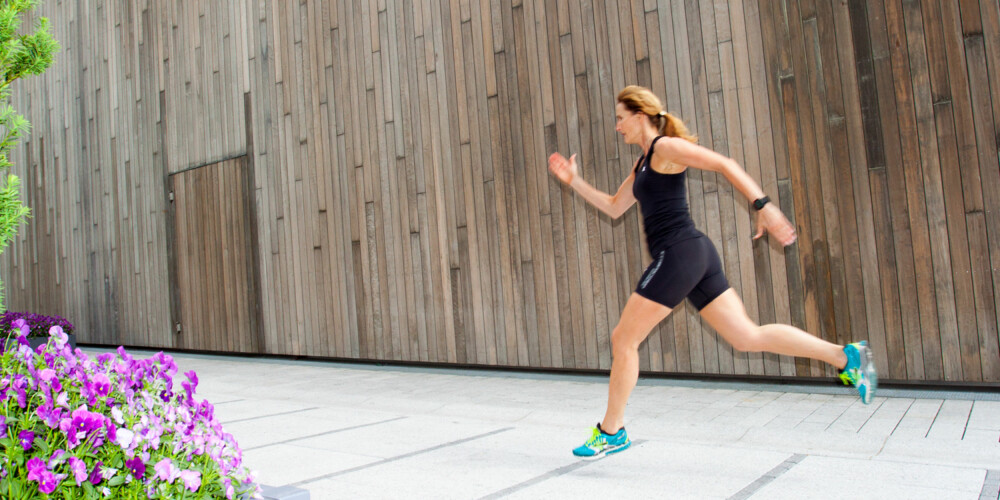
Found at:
<point>110,427</point>
<point>33,325</point>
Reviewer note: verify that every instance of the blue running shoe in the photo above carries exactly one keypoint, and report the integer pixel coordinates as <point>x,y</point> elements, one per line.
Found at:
<point>603,444</point>
<point>860,371</point>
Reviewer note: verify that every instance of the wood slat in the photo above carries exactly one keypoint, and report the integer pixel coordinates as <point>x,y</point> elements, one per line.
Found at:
<point>367,180</point>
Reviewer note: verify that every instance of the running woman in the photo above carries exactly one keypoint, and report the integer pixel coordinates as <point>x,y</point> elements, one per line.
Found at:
<point>685,262</point>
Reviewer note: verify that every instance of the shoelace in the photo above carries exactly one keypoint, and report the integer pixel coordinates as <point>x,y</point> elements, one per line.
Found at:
<point>596,439</point>
<point>850,377</point>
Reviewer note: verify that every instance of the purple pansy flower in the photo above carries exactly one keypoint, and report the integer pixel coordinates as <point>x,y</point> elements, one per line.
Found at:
<point>117,415</point>
<point>59,335</point>
<point>191,479</point>
<point>89,392</point>
<point>47,375</point>
<point>136,466</point>
<point>124,438</point>
<point>95,475</point>
<point>165,470</point>
<point>51,416</point>
<point>80,425</point>
<point>25,438</point>
<point>102,385</point>
<point>21,326</point>
<point>35,468</point>
<point>78,468</point>
<point>20,385</point>
<point>48,482</point>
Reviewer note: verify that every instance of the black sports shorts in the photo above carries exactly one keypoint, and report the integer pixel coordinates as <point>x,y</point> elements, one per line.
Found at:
<point>689,268</point>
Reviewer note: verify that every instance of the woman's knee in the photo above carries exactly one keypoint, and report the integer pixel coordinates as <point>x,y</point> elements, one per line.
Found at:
<point>623,340</point>
<point>748,339</point>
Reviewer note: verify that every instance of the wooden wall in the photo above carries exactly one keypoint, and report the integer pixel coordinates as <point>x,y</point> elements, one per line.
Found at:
<point>392,156</point>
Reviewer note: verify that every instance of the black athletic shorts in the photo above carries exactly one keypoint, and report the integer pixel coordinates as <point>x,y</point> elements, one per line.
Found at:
<point>689,268</point>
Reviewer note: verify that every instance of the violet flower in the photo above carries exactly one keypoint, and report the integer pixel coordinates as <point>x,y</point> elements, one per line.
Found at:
<point>78,468</point>
<point>166,471</point>
<point>48,482</point>
<point>80,425</point>
<point>95,475</point>
<point>26,438</point>
<point>191,479</point>
<point>21,325</point>
<point>35,468</point>
<point>117,415</point>
<point>51,416</point>
<point>136,466</point>
<point>102,385</point>
<point>124,438</point>
<point>59,335</point>
<point>19,385</point>
<point>47,375</point>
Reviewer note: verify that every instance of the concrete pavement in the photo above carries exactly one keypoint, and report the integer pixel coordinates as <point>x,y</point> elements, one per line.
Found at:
<point>360,431</point>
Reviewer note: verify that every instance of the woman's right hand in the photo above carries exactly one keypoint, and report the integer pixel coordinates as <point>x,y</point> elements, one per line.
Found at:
<point>564,169</point>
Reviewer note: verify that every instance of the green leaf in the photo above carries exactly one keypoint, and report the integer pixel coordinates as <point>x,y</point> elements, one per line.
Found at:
<point>117,480</point>
<point>16,489</point>
<point>41,444</point>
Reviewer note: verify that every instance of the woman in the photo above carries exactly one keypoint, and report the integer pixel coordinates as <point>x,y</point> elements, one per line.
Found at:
<point>685,262</point>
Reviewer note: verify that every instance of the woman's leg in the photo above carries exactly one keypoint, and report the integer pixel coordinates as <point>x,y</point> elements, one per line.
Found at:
<point>727,315</point>
<point>638,319</point>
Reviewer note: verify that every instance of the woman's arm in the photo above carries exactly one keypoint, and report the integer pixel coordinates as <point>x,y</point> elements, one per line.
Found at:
<point>612,205</point>
<point>769,219</point>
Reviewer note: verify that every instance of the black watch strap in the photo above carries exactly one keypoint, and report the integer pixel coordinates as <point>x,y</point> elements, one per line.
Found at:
<point>760,202</point>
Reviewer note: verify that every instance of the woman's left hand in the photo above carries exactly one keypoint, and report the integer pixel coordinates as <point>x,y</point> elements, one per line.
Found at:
<point>771,220</point>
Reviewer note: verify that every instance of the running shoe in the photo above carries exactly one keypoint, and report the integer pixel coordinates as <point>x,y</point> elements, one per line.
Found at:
<point>603,444</point>
<point>860,371</point>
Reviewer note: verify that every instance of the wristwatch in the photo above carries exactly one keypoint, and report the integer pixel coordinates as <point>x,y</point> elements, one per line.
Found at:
<point>760,202</point>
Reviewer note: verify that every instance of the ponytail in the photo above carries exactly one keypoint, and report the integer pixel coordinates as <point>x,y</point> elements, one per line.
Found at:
<point>671,126</point>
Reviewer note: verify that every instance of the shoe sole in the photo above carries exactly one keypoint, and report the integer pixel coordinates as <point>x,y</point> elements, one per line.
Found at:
<point>605,452</point>
<point>869,373</point>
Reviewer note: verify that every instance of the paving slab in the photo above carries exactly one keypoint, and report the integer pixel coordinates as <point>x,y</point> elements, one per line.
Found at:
<point>342,430</point>
<point>831,477</point>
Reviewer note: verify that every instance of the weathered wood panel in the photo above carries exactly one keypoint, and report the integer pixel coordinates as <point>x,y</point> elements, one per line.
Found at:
<point>381,165</point>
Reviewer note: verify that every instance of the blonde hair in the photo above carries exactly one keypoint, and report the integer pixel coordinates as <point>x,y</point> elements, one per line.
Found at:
<point>641,100</point>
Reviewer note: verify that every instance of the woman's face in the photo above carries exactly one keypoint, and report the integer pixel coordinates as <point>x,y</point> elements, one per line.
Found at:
<point>627,124</point>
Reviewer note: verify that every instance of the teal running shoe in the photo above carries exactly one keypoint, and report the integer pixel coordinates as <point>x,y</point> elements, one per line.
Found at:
<point>860,371</point>
<point>601,444</point>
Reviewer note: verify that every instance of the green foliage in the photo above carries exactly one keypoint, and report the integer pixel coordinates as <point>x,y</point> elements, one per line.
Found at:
<point>21,54</point>
<point>12,214</point>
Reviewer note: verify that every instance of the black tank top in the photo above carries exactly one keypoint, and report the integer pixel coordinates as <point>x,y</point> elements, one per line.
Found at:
<point>663,201</point>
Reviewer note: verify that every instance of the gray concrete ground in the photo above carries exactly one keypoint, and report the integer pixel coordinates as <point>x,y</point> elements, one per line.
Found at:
<point>357,431</point>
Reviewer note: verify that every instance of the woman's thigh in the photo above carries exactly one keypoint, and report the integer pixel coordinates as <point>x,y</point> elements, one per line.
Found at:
<point>638,318</point>
<point>728,316</point>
